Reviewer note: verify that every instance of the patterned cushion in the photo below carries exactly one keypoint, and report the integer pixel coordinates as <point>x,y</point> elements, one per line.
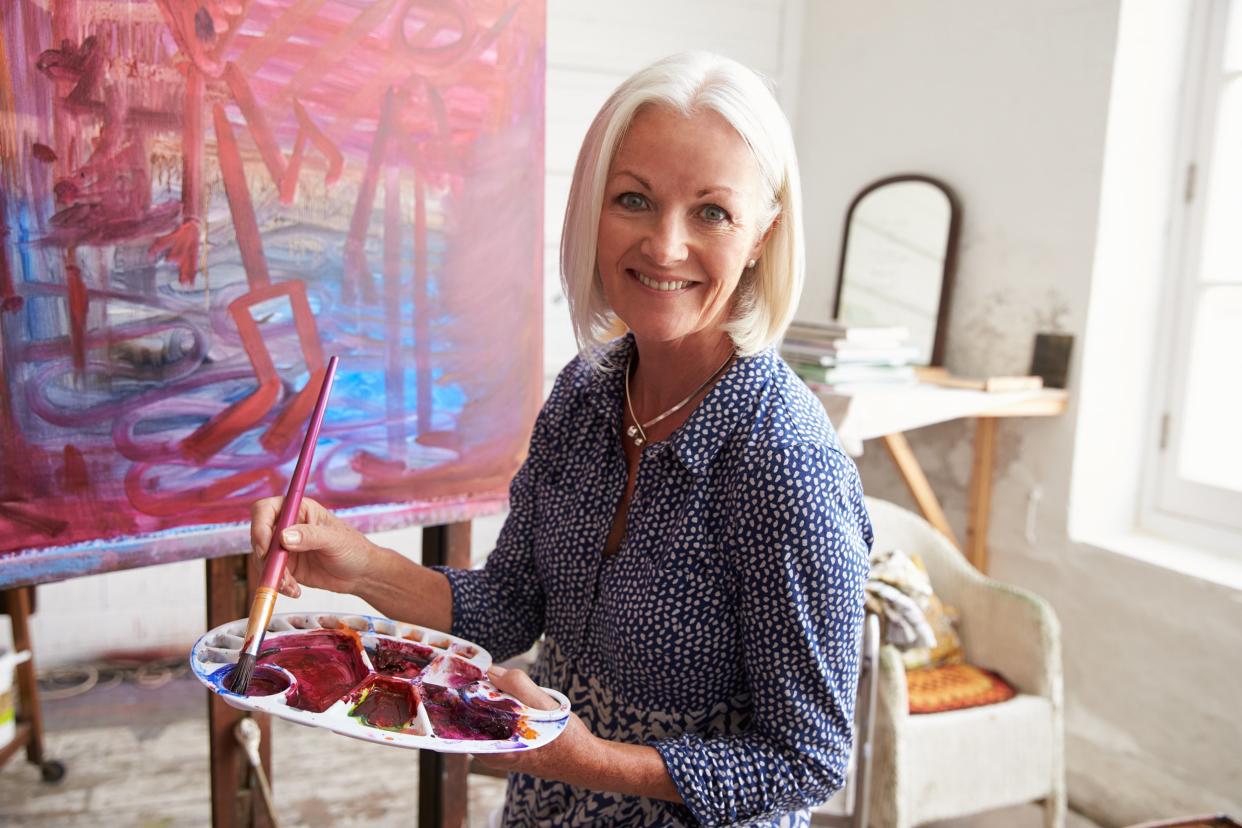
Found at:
<point>954,687</point>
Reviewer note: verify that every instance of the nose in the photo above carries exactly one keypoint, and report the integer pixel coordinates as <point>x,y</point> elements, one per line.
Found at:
<point>665,241</point>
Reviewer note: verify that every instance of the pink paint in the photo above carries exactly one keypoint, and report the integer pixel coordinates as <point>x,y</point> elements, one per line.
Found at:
<point>457,672</point>
<point>453,717</point>
<point>325,664</point>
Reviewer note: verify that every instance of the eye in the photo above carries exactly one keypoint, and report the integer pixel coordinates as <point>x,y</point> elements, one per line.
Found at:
<point>632,201</point>
<point>714,214</point>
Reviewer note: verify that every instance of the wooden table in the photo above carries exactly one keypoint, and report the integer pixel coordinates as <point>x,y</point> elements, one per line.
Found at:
<point>886,412</point>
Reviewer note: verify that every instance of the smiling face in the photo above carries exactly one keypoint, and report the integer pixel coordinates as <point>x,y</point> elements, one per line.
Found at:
<point>682,213</point>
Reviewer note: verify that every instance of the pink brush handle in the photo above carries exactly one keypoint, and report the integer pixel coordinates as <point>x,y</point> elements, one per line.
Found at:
<point>276,552</point>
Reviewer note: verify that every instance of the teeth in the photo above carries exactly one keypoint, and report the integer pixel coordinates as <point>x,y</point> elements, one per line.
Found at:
<point>654,285</point>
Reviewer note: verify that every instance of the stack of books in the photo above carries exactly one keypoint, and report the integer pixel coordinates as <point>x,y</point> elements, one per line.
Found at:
<point>833,353</point>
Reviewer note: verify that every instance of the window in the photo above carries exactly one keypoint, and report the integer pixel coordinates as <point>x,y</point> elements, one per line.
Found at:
<point>1197,469</point>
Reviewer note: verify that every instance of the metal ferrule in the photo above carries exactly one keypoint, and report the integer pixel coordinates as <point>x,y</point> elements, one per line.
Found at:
<point>260,615</point>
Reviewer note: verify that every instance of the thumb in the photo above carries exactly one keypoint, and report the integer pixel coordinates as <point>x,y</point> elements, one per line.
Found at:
<point>520,685</point>
<point>301,536</point>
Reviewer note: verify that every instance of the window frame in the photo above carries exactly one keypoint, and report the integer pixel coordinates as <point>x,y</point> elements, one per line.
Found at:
<point>1202,514</point>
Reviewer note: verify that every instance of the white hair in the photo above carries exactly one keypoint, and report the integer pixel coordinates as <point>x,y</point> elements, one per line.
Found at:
<point>688,82</point>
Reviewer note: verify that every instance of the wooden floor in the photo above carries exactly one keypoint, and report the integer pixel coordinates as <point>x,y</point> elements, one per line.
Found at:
<point>137,756</point>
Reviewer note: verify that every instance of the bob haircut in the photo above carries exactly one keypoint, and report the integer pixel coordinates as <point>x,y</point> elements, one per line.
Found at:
<point>767,294</point>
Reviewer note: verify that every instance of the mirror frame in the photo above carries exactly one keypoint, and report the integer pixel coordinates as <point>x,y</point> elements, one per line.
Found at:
<point>950,256</point>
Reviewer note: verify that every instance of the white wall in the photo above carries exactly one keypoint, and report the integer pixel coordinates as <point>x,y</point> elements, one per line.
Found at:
<point>1008,102</point>
<point>591,48</point>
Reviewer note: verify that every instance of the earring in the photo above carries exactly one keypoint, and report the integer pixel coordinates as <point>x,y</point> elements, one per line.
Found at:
<point>750,265</point>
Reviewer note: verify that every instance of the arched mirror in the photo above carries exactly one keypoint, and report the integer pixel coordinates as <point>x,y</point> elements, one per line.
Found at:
<point>897,258</point>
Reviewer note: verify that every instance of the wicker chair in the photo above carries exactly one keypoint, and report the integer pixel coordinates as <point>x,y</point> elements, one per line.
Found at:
<point>940,765</point>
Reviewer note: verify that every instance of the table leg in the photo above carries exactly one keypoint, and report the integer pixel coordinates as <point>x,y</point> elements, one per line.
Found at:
<point>912,473</point>
<point>442,776</point>
<point>980,502</point>
<point>235,798</point>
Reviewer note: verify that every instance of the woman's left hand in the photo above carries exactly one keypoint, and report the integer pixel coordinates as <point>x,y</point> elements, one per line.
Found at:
<point>567,758</point>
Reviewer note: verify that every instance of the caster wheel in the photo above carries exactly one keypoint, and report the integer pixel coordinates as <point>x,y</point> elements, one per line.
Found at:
<point>52,771</point>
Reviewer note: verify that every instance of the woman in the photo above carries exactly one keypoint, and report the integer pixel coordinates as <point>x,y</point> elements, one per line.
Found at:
<point>686,534</point>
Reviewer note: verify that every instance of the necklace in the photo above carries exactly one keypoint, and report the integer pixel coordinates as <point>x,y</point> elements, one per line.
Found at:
<point>637,432</point>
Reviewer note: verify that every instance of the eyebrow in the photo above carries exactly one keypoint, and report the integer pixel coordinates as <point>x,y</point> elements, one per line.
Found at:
<point>705,191</point>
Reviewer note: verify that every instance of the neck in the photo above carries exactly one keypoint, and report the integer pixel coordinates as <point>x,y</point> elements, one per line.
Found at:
<point>667,371</point>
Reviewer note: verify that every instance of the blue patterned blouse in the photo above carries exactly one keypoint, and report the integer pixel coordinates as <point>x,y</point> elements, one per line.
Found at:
<point>724,630</point>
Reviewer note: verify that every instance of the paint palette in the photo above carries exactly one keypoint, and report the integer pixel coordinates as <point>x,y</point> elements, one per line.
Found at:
<point>379,680</point>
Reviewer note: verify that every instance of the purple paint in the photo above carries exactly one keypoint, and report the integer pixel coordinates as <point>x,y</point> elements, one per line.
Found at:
<point>454,717</point>
<point>387,703</point>
<point>325,664</point>
<point>400,658</point>
<point>457,672</point>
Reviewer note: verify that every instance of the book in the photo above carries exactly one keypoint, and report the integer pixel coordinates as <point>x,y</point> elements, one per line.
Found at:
<point>849,353</point>
<point>837,331</point>
<point>941,377</point>
<point>840,374</point>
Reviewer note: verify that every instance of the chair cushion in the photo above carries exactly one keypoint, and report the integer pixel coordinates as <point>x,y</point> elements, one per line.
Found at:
<point>965,761</point>
<point>954,687</point>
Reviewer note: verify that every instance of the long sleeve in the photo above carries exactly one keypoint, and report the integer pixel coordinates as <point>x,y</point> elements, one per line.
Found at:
<point>798,546</point>
<point>501,606</point>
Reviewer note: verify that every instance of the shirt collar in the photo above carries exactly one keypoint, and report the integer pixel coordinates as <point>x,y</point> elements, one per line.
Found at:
<point>715,419</point>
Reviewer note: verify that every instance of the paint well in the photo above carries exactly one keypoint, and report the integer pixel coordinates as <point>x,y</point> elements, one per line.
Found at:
<point>400,658</point>
<point>455,717</point>
<point>387,703</point>
<point>326,665</point>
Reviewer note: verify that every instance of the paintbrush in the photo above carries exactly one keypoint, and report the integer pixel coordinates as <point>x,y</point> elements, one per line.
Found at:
<point>265,595</point>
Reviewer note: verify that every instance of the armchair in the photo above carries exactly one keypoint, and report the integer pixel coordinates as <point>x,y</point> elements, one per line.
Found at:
<point>939,765</point>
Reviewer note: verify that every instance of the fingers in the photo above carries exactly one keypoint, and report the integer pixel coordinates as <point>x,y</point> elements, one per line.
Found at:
<point>519,685</point>
<point>263,514</point>
<point>289,586</point>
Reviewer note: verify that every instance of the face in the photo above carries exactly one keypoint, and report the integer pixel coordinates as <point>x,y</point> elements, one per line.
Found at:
<point>681,218</point>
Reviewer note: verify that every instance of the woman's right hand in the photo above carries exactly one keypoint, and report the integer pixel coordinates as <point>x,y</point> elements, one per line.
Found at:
<point>324,551</point>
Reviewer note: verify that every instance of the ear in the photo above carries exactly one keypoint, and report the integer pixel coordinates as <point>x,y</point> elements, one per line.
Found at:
<point>757,250</point>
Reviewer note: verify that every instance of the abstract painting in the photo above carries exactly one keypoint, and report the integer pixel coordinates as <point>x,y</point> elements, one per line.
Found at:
<point>202,200</point>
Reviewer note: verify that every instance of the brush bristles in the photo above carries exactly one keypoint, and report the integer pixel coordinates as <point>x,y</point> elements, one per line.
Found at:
<point>239,679</point>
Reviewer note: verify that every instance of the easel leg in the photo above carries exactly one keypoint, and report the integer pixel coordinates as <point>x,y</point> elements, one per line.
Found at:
<point>980,493</point>
<point>19,601</point>
<point>442,776</point>
<point>235,801</point>
<point>912,473</point>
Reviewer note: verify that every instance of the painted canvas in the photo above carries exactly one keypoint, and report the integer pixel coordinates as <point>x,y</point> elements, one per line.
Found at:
<point>201,200</point>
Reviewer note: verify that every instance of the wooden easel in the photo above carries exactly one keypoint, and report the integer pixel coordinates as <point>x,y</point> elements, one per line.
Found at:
<point>18,604</point>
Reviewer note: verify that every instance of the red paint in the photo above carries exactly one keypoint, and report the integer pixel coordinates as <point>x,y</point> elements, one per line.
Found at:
<point>266,681</point>
<point>260,131</point>
<point>356,268</point>
<point>386,703</point>
<point>42,152</point>
<point>79,303</point>
<point>245,226</point>
<point>401,659</point>
<point>453,717</point>
<point>181,245</point>
<point>75,477</point>
<point>325,664</point>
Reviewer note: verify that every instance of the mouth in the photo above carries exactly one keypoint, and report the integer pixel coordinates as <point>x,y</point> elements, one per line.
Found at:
<point>657,284</point>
